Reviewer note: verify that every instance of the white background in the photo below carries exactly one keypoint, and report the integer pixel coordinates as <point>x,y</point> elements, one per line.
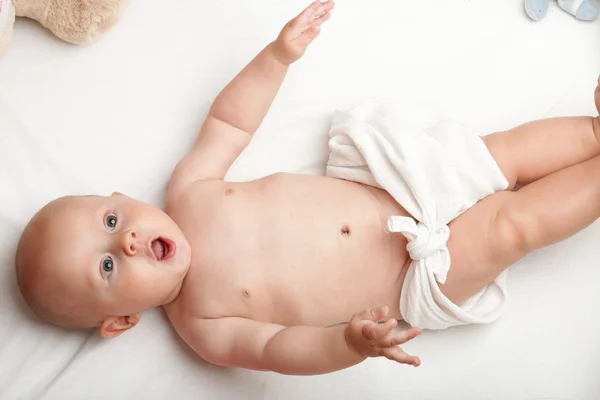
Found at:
<point>119,114</point>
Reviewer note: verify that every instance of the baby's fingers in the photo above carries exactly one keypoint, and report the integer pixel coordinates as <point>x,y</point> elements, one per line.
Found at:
<point>317,12</point>
<point>397,354</point>
<point>401,337</point>
<point>373,330</point>
<point>374,314</point>
<point>306,17</point>
<point>321,19</point>
<point>326,7</point>
<point>395,338</point>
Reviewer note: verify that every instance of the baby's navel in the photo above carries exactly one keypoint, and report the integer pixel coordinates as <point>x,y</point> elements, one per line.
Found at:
<point>228,192</point>
<point>246,293</point>
<point>345,230</point>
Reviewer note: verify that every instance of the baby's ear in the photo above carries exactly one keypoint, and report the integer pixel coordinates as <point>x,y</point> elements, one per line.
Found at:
<point>113,326</point>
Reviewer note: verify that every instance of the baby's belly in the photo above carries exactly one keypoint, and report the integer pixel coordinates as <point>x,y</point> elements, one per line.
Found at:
<point>327,254</point>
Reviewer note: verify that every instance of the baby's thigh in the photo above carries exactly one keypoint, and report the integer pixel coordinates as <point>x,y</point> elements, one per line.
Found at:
<point>481,247</point>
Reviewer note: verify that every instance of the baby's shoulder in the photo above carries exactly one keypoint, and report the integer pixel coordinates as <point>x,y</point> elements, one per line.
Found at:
<point>198,188</point>
<point>197,193</point>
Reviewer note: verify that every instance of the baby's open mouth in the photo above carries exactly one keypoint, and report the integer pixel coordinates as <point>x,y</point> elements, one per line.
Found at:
<point>162,248</point>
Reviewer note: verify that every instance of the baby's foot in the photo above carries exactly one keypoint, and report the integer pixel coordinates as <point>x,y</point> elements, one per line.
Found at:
<point>584,10</point>
<point>536,9</point>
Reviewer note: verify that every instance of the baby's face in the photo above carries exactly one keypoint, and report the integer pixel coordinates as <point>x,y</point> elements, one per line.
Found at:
<point>125,256</point>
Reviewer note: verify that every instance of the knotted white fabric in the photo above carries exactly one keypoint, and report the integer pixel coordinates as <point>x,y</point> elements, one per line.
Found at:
<point>435,171</point>
<point>425,244</point>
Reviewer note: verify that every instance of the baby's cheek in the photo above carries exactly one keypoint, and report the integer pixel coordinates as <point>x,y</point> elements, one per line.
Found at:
<point>148,280</point>
<point>131,278</point>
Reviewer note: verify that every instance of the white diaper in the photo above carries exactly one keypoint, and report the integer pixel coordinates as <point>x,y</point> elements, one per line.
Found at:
<point>436,171</point>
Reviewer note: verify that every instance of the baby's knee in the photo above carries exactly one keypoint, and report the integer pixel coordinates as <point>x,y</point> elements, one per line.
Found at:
<point>514,231</point>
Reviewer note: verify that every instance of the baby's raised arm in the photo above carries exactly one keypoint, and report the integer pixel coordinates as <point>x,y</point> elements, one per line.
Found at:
<point>299,350</point>
<point>240,108</point>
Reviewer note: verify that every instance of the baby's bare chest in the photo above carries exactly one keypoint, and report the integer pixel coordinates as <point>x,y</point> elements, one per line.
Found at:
<point>286,254</point>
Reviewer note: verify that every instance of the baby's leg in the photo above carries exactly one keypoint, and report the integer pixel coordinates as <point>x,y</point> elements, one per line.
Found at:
<point>559,162</point>
<point>505,226</point>
<point>536,149</point>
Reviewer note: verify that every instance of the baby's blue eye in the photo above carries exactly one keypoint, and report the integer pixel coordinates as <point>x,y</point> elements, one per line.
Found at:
<point>107,266</point>
<point>111,221</point>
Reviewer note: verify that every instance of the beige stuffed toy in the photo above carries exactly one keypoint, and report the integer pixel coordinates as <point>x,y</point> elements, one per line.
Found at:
<point>74,21</point>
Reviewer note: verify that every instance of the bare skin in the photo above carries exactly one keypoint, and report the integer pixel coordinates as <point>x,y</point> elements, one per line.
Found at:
<point>251,231</point>
<point>262,278</point>
<point>265,271</point>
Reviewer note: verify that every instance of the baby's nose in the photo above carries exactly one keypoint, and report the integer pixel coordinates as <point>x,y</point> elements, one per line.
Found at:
<point>129,242</point>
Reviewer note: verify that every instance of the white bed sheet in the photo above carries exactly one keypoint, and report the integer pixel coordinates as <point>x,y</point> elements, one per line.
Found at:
<point>119,114</point>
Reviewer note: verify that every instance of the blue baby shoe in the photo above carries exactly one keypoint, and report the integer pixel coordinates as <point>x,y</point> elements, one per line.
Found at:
<point>537,9</point>
<point>584,10</point>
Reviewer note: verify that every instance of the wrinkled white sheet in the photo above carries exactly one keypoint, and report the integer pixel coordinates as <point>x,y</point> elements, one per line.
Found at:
<point>119,114</point>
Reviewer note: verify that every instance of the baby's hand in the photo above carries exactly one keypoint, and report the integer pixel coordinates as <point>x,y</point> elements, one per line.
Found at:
<point>297,34</point>
<point>368,335</point>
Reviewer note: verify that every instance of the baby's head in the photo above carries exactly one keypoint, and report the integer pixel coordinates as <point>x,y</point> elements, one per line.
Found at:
<point>95,261</point>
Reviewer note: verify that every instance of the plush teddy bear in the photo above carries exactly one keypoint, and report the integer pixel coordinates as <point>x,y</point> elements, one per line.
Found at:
<point>584,10</point>
<point>74,21</point>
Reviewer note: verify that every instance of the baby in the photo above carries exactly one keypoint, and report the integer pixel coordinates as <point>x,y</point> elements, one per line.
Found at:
<point>292,273</point>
